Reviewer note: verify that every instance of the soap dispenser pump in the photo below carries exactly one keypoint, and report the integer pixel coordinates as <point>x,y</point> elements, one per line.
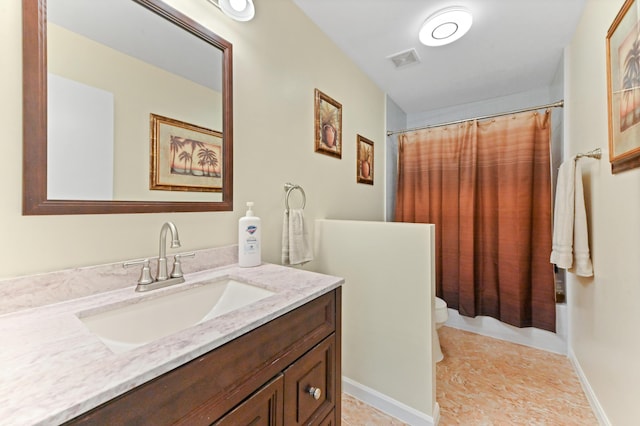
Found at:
<point>249,228</point>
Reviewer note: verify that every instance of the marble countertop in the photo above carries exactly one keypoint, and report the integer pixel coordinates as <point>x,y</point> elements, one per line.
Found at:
<point>53,368</point>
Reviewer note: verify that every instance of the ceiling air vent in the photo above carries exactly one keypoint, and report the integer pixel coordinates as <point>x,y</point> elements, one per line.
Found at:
<point>405,58</point>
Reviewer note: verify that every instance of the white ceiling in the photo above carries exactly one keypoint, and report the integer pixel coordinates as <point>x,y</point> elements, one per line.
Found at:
<point>513,46</point>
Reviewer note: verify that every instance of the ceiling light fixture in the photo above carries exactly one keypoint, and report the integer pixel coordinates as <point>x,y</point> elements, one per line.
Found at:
<point>445,26</point>
<point>240,10</point>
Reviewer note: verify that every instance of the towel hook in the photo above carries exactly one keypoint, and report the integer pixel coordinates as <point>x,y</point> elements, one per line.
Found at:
<point>290,187</point>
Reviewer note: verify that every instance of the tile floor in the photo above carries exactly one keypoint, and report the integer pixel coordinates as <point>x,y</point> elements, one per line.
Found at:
<point>357,413</point>
<point>485,381</point>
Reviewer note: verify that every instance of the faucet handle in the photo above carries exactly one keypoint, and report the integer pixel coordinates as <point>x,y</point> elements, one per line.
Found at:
<point>145,274</point>
<point>177,266</point>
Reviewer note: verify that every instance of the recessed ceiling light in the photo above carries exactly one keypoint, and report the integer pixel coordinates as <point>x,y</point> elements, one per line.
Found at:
<point>240,10</point>
<point>445,26</point>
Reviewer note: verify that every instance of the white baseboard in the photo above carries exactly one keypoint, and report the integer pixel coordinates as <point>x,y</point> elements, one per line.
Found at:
<point>436,414</point>
<point>389,405</point>
<point>529,336</point>
<point>588,391</point>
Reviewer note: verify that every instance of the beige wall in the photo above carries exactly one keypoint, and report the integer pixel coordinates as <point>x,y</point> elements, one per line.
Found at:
<point>279,58</point>
<point>387,319</point>
<point>604,314</point>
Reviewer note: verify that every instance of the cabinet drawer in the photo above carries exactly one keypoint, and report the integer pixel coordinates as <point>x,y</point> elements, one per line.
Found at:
<point>330,420</point>
<point>263,408</point>
<point>310,387</point>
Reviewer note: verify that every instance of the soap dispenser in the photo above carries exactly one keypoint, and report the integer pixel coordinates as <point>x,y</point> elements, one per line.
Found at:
<point>249,239</point>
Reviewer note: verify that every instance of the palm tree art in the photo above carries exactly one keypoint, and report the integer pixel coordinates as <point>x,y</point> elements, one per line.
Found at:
<point>630,84</point>
<point>194,144</point>
<point>175,145</point>
<point>187,158</point>
<point>209,159</point>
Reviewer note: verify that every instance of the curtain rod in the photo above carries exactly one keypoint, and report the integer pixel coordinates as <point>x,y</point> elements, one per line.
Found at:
<point>558,104</point>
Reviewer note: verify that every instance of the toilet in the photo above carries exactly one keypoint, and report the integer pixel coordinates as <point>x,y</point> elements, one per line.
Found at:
<point>441,316</point>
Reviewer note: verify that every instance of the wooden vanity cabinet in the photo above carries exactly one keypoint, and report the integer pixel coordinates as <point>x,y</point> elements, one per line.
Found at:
<point>269,376</point>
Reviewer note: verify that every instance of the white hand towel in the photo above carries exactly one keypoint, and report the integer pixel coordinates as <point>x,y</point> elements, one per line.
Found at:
<point>570,235</point>
<point>296,248</point>
<point>581,255</point>
<point>562,253</point>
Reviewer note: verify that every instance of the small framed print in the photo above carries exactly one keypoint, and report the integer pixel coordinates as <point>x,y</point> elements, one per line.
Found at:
<point>328,125</point>
<point>185,157</point>
<point>364,164</point>
<point>623,88</point>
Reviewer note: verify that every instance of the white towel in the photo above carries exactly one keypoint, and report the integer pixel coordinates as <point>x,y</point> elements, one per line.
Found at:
<point>581,255</point>
<point>570,235</point>
<point>296,248</point>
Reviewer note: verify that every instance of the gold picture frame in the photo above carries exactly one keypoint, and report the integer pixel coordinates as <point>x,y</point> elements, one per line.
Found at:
<point>364,162</point>
<point>185,157</point>
<point>623,88</point>
<point>328,125</point>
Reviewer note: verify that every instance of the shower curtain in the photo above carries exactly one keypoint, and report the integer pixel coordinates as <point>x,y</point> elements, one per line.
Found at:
<point>487,188</point>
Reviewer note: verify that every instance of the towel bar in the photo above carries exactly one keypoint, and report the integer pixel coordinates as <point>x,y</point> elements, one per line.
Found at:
<point>290,187</point>
<point>594,153</point>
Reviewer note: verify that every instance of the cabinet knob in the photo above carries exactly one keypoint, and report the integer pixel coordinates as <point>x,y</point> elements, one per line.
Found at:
<point>316,393</point>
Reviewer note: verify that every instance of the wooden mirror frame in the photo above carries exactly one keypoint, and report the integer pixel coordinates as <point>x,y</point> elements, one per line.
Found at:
<point>34,144</point>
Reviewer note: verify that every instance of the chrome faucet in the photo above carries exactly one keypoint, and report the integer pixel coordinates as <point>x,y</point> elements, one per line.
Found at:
<point>162,279</point>
<point>163,274</point>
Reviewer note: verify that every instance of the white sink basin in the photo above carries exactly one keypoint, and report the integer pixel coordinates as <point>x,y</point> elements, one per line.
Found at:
<point>127,327</point>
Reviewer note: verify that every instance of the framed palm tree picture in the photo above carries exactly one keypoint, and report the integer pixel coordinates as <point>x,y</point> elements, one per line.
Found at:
<point>623,88</point>
<point>185,157</point>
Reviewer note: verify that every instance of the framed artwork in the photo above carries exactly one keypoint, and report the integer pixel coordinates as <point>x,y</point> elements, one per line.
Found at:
<point>364,164</point>
<point>328,125</point>
<point>623,88</point>
<point>185,157</point>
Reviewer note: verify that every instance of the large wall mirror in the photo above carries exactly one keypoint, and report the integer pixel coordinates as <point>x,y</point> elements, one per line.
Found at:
<point>127,109</point>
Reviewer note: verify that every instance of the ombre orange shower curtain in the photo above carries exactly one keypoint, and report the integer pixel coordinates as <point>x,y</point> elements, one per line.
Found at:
<point>487,188</point>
